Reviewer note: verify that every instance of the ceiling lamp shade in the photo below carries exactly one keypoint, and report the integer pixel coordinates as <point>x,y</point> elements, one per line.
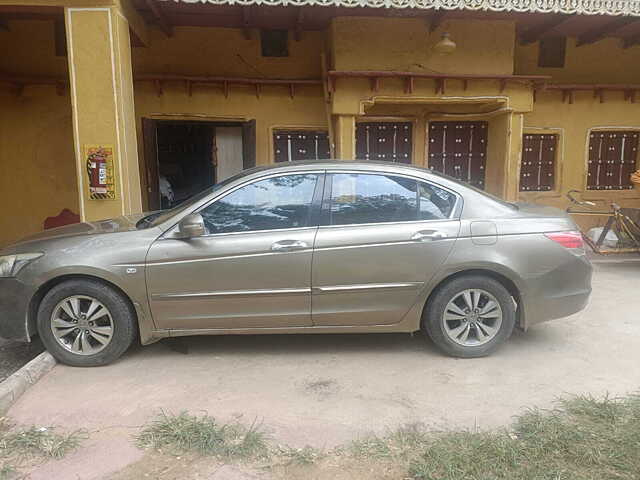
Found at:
<point>445,45</point>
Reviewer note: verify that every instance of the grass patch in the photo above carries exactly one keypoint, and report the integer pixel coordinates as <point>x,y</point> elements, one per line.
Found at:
<point>584,438</point>
<point>184,433</point>
<point>23,445</point>
<point>300,456</point>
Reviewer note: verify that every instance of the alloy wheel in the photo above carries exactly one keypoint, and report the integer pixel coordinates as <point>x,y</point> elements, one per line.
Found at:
<point>82,325</point>
<point>472,317</point>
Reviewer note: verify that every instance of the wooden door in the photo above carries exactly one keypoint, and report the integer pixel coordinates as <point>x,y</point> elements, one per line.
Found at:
<point>149,168</point>
<point>459,149</point>
<point>249,144</point>
<point>386,141</point>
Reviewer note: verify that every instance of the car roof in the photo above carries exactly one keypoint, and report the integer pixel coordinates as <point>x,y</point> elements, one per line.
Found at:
<point>371,165</point>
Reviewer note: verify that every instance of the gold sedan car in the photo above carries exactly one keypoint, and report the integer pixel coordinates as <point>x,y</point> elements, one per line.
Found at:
<point>322,247</point>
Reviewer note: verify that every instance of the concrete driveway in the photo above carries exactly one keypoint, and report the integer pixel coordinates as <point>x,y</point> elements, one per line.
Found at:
<point>324,390</point>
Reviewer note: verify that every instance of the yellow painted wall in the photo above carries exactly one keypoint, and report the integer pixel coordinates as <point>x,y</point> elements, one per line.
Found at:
<point>573,123</point>
<point>37,166</point>
<point>405,44</point>
<point>28,49</point>
<point>602,62</point>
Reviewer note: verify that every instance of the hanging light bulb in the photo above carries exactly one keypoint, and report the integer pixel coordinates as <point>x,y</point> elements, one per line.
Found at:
<point>445,45</point>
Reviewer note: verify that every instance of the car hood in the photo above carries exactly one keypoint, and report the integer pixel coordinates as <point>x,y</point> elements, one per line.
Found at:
<point>100,227</point>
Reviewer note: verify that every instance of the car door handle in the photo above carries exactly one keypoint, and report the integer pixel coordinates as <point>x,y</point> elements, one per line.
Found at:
<point>286,245</point>
<point>428,235</point>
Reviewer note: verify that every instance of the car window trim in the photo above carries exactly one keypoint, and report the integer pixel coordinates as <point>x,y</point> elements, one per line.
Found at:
<point>321,179</point>
<point>326,202</point>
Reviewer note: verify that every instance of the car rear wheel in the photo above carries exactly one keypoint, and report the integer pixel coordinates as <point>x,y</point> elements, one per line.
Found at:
<point>86,323</point>
<point>470,316</point>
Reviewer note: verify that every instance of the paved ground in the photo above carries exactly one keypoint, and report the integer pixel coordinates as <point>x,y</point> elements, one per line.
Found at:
<point>325,390</point>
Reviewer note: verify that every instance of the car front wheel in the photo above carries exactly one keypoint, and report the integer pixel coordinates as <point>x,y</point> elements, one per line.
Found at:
<point>86,323</point>
<point>470,316</point>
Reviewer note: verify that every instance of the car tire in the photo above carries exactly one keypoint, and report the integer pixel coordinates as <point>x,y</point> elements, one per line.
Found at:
<point>102,338</point>
<point>448,316</point>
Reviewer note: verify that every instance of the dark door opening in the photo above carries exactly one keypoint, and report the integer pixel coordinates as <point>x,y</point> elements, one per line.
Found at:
<point>459,149</point>
<point>183,158</point>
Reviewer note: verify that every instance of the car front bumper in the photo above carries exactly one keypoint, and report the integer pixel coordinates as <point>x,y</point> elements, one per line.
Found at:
<point>15,297</point>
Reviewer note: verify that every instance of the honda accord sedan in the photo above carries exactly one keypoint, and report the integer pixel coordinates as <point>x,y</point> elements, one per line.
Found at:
<point>322,247</point>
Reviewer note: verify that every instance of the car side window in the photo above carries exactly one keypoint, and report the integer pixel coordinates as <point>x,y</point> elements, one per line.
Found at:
<point>358,198</point>
<point>272,203</point>
<point>435,202</point>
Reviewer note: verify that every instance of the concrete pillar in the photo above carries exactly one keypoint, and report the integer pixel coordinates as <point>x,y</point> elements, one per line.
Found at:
<point>345,137</point>
<point>101,81</point>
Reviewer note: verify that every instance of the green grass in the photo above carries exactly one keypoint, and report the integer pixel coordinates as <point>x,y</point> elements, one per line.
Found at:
<point>582,439</point>
<point>184,433</point>
<point>20,445</point>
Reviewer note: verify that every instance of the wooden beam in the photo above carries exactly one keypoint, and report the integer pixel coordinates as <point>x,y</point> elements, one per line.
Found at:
<point>137,26</point>
<point>534,34</point>
<point>436,20</point>
<point>59,38</point>
<point>4,25</point>
<point>246,23</point>
<point>630,41</point>
<point>297,31</point>
<point>160,17</point>
<point>608,28</point>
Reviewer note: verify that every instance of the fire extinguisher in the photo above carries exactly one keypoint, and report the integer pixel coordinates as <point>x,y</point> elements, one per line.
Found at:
<point>97,169</point>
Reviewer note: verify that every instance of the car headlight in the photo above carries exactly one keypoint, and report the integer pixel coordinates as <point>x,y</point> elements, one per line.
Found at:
<point>10,265</point>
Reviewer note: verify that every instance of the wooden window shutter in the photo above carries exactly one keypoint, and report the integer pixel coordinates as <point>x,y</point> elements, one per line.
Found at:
<point>293,145</point>
<point>387,141</point>
<point>612,159</point>
<point>538,164</point>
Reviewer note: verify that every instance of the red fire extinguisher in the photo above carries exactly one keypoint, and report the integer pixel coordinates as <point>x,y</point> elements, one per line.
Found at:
<point>97,169</point>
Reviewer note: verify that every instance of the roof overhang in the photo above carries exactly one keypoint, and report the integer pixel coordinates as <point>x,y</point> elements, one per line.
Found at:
<point>581,7</point>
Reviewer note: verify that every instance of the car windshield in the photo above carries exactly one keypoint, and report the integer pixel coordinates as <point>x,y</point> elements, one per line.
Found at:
<point>156,218</point>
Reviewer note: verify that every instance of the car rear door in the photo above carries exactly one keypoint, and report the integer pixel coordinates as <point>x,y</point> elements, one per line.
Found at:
<point>382,238</point>
<point>252,269</point>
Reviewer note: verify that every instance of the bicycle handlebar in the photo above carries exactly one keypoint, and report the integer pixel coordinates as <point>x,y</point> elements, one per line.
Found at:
<point>572,199</point>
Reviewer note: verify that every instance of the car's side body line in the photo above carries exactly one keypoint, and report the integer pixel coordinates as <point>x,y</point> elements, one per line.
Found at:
<point>232,293</point>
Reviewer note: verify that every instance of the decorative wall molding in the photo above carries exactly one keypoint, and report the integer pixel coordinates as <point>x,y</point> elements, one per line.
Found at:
<point>583,7</point>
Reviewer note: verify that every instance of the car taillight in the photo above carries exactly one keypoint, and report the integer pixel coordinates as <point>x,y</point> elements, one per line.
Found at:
<point>572,240</point>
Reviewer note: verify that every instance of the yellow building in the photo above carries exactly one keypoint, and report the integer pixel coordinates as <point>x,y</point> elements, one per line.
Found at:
<point>106,105</point>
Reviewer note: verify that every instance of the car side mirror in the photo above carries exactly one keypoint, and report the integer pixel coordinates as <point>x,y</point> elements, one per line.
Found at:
<point>191,226</point>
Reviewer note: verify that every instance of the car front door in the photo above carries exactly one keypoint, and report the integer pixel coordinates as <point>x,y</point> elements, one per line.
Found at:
<point>382,238</point>
<point>253,267</point>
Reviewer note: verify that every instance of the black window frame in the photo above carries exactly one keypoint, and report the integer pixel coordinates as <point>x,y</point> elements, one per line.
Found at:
<point>325,210</point>
<point>314,210</point>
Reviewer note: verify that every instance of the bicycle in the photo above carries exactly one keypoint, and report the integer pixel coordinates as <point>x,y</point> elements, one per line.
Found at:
<point>623,222</point>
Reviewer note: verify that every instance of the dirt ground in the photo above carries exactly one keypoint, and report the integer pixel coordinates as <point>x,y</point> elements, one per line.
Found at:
<point>325,390</point>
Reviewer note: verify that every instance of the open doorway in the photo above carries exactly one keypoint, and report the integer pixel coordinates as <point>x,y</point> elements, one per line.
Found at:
<point>182,158</point>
